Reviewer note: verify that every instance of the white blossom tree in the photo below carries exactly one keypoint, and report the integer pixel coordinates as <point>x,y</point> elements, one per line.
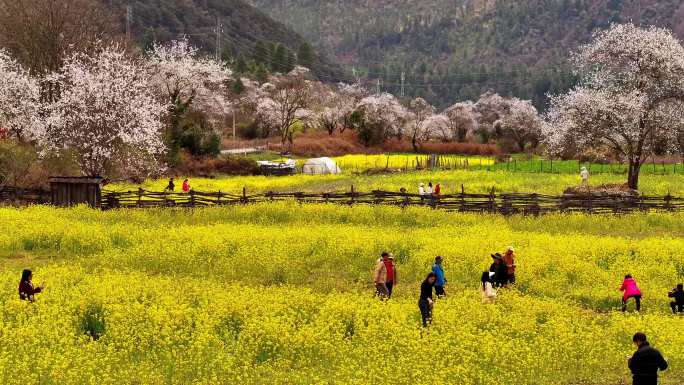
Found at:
<point>284,99</point>
<point>106,112</point>
<point>437,126</point>
<point>522,123</point>
<point>629,77</point>
<point>419,110</point>
<point>187,81</point>
<point>383,117</point>
<point>491,108</point>
<point>19,100</point>
<point>336,106</point>
<point>462,121</point>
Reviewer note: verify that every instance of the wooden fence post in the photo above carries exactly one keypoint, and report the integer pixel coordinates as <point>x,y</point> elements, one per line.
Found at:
<point>140,190</point>
<point>244,195</point>
<point>351,202</point>
<point>192,198</point>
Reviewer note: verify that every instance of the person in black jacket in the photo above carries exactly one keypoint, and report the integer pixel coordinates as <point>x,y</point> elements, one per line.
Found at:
<point>500,270</point>
<point>425,301</point>
<point>645,362</point>
<point>27,290</point>
<point>678,295</point>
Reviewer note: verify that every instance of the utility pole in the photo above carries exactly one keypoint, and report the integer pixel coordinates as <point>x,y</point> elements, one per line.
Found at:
<point>219,29</point>
<point>403,77</point>
<point>129,16</point>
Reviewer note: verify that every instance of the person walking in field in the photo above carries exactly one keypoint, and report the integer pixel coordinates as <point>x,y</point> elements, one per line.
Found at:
<point>509,261</point>
<point>380,277</point>
<point>678,295</point>
<point>391,268</point>
<point>441,279</point>
<point>584,176</point>
<point>487,289</point>
<point>171,186</point>
<point>186,186</point>
<point>27,290</point>
<point>425,302</point>
<point>631,290</point>
<point>645,362</point>
<point>498,267</point>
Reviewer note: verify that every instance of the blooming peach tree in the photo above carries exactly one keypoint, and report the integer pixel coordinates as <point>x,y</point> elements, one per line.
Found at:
<point>630,78</point>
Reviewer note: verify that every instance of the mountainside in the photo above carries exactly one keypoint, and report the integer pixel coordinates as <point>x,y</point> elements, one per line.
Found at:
<point>242,27</point>
<point>456,49</point>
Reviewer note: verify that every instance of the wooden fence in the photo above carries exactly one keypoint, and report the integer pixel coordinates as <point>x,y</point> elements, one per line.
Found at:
<point>507,204</point>
<point>21,196</point>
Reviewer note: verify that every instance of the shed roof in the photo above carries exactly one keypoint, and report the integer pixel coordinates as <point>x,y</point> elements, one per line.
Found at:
<point>76,179</point>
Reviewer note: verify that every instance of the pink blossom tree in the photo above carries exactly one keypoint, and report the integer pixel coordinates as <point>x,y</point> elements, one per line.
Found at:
<point>19,100</point>
<point>106,115</point>
<point>630,76</point>
<point>382,117</point>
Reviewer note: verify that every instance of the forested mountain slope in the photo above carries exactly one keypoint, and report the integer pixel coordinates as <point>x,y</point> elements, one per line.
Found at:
<point>456,49</point>
<point>242,25</point>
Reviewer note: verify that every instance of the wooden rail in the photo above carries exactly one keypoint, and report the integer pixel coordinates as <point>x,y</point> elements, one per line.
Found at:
<point>21,196</point>
<point>507,204</point>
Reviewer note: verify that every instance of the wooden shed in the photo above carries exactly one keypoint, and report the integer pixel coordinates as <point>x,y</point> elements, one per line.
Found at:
<point>69,191</point>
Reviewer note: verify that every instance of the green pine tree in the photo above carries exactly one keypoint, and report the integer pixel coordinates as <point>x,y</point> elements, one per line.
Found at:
<point>305,55</point>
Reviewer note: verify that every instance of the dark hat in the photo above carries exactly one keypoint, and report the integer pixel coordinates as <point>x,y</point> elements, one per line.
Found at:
<point>497,256</point>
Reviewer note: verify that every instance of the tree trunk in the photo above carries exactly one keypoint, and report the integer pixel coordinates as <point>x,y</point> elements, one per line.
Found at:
<point>414,143</point>
<point>633,176</point>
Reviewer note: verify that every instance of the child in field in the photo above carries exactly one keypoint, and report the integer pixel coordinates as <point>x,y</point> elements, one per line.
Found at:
<point>441,279</point>
<point>186,186</point>
<point>488,290</point>
<point>631,290</point>
<point>425,302</point>
<point>678,295</point>
<point>26,289</point>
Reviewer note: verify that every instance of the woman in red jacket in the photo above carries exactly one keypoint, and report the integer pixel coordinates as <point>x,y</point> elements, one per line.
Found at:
<point>26,288</point>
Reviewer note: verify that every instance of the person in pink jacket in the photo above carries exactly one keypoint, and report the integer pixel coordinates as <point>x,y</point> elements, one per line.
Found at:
<point>631,290</point>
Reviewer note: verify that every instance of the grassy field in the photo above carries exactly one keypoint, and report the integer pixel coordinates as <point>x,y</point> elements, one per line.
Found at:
<point>280,294</point>
<point>474,181</point>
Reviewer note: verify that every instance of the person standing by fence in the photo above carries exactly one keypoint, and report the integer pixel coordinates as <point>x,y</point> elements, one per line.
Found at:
<point>584,176</point>
<point>171,186</point>
<point>645,362</point>
<point>441,279</point>
<point>186,186</point>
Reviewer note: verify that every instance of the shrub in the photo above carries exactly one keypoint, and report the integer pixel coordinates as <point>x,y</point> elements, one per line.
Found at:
<point>209,167</point>
<point>92,321</point>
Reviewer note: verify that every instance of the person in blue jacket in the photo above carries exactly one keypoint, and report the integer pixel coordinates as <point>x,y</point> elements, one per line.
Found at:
<point>441,280</point>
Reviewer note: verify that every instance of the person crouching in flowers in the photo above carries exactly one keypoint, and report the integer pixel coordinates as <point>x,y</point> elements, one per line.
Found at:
<point>631,290</point>
<point>425,302</point>
<point>487,288</point>
<point>26,289</point>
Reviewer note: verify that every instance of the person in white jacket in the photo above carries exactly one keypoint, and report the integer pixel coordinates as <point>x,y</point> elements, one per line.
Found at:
<point>487,288</point>
<point>584,175</point>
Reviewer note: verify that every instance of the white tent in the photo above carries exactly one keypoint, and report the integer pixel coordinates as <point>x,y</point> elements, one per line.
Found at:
<point>319,166</point>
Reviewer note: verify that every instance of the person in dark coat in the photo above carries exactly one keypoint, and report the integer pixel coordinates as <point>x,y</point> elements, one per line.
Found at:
<point>678,295</point>
<point>500,270</point>
<point>171,186</point>
<point>27,291</point>
<point>645,362</point>
<point>425,302</point>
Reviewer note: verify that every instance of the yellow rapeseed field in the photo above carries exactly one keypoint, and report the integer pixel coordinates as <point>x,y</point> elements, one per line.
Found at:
<point>280,293</point>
